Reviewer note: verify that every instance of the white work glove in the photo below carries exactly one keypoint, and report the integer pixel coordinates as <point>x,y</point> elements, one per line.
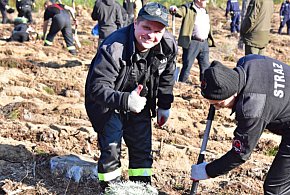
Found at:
<point>198,172</point>
<point>281,18</point>
<point>136,103</point>
<point>172,9</point>
<point>162,116</point>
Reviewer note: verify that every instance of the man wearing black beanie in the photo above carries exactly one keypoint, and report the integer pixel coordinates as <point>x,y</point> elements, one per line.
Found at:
<point>258,91</point>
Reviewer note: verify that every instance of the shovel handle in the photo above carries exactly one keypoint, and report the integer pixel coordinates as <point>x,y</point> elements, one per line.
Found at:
<point>173,25</point>
<point>200,159</point>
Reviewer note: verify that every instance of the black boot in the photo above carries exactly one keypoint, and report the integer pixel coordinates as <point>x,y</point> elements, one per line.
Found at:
<point>143,179</point>
<point>73,52</point>
<point>105,184</point>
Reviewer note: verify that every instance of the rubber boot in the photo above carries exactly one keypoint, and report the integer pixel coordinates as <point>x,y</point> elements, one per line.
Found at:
<point>144,179</point>
<point>280,31</point>
<point>73,52</point>
<point>105,184</point>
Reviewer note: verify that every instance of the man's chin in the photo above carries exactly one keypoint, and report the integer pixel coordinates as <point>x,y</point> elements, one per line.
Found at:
<point>148,45</point>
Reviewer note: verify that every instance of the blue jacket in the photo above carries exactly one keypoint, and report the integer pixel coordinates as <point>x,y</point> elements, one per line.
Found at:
<point>232,6</point>
<point>285,9</point>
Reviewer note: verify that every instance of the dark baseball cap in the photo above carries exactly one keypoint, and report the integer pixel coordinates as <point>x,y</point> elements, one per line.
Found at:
<point>154,12</point>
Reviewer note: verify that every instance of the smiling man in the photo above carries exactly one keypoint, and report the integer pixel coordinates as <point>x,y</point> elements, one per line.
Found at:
<point>258,91</point>
<point>133,68</point>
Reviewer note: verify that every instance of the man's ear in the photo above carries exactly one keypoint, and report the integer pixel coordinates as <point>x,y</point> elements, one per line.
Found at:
<point>135,21</point>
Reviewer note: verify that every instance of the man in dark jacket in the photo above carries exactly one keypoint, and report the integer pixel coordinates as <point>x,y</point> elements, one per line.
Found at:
<point>125,16</point>
<point>233,8</point>
<point>285,16</point>
<point>255,28</point>
<point>134,66</point>
<point>258,91</point>
<point>132,8</point>
<point>60,15</point>
<point>195,36</point>
<point>109,16</point>
<point>24,8</point>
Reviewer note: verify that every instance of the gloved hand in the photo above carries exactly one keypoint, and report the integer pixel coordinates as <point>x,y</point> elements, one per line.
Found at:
<point>162,116</point>
<point>281,18</point>
<point>198,172</point>
<point>172,9</point>
<point>136,103</point>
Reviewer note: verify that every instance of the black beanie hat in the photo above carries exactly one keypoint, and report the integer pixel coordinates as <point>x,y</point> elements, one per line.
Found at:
<point>219,82</point>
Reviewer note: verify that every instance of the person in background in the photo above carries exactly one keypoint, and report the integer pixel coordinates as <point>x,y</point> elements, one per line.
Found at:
<point>60,16</point>
<point>24,8</point>
<point>132,7</point>
<point>3,9</point>
<point>132,69</point>
<point>125,16</point>
<point>138,4</point>
<point>3,6</point>
<point>195,36</point>
<point>285,16</point>
<point>257,90</point>
<point>22,32</point>
<point>233,8</point>
<point>109,17</point>
<point>255,28</point>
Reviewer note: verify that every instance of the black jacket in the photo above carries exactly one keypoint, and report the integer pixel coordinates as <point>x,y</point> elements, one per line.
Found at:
<point>20,3</point>
<point>109,16</point>
<point>109,73</point>
<point>263,102</point>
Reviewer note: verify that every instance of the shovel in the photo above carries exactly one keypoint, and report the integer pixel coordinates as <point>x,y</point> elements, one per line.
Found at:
<point>173,25</point>
<point>76,38</point>
<point>210,117</point>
